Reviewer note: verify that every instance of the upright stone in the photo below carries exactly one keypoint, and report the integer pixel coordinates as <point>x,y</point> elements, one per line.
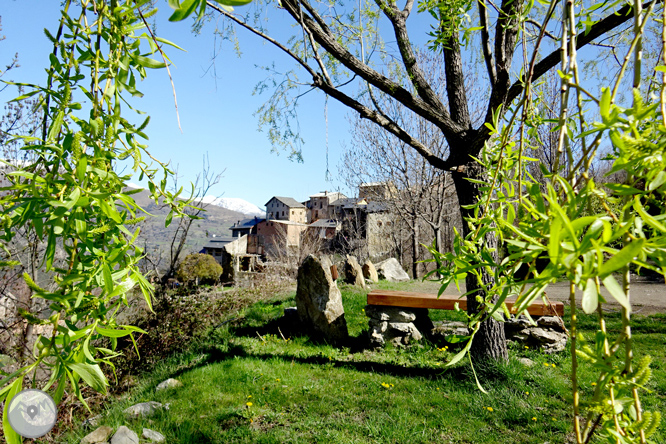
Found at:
<point>370,272</point>
<point>391,270</point>
<point>353,272</point>
<point>319,300</point>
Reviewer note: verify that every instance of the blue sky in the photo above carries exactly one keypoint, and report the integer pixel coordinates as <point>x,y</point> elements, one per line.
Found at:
<point>216,114</point>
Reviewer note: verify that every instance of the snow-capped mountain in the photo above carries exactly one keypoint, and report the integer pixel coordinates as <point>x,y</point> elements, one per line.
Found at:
<point>235,204</point>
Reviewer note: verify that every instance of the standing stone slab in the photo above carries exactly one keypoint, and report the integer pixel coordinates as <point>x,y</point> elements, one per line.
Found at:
<point>370,272</point>
<point>319,301</point>
<point>354,272</point>
<point>391,271</point>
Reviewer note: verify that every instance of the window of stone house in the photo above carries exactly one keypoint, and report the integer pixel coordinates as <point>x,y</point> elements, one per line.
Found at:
<point>283,213</point>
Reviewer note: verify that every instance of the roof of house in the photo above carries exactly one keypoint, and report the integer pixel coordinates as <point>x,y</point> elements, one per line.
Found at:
<point>376,207</point>
<point>332,195</point>
<point>219,242</point>
<point>288,201</point>
<point>342,201</point>
<point>324,223</point>
<point>246,223</point>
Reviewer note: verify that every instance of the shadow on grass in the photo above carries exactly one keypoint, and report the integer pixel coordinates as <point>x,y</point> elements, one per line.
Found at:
<point>219,354</point>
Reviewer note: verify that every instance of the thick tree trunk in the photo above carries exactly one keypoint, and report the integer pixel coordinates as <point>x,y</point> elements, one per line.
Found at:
<point>490,342</point>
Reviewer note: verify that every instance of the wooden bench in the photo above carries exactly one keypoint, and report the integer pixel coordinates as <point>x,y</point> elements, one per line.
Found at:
<point>446,302</point>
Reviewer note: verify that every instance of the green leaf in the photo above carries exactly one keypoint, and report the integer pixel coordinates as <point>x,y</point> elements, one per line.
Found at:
<point>622,257</point>
<point>590,300</point>
<point>654,223</point>
<point>185,10</point>
<point>233,2</point>
<point>111,333</point>
<point>658,181</point>
<point>60,390</point>
<point>605,102</point>
<point>91,374</point>
<point>10,435</point>
<point>617,292</point>
<point>108,280</point>
<point>147,62</point>
<point>168,219</point>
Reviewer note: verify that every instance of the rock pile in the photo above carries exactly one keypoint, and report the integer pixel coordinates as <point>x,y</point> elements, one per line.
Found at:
<point>548,334</point>
<point>125,435</point>
<point>396,325</point>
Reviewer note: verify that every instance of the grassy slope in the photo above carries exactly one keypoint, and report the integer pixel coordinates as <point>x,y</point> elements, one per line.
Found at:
<point>305,392</point>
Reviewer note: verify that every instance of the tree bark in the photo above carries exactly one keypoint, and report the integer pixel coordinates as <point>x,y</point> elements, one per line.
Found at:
<point>415,246</point>
<point>490,341</point>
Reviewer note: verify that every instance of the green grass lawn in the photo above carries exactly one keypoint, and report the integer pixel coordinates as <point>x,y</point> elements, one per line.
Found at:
<point>257,381</point>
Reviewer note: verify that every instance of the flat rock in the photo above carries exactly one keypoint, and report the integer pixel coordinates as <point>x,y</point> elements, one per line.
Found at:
<point>144,409</point>
<point>99,435</point>
<point>125,436</point>
<point>391,271</point>
<point>168,384</point>
<point>153,436</point>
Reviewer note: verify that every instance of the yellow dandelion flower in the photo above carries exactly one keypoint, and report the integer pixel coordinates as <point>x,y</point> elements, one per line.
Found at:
<point>546,364</point>
<point>526,346</point>
<point>277,379</point>
<point>490,409</point>
<point>594,383</point>
<point>533,418</point>
<point>527,393</point>
<point>249,396</point>
<point>553,365</point>
<point>249,404</point>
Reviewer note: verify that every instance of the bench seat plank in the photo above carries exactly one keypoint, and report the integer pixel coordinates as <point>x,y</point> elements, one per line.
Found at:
<point>447,302</point>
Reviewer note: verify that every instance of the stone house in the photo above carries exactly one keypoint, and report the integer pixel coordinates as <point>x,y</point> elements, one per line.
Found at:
<point>322,205</point>
<point>324,229</point>
<point>286,208</point>
<point>377,191</point>
<point>277,235</point>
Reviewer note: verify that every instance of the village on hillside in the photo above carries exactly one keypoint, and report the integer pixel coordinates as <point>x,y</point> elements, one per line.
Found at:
<point>326,222</point>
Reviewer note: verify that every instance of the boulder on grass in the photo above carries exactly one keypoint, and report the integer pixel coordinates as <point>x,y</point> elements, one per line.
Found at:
<point>392,271</point>
<point>125,436</point>
<point>319,302</point>
<point>370,272</point>
<point>354,272</point>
